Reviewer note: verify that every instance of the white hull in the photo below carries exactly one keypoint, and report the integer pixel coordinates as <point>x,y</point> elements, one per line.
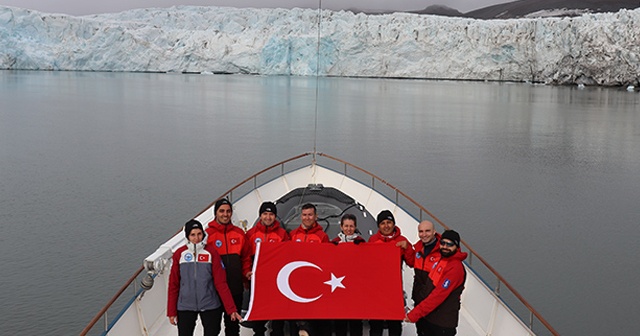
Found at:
<point>482,311</point>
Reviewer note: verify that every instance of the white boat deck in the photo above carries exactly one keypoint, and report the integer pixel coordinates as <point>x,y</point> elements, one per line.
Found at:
<point>482,312</point>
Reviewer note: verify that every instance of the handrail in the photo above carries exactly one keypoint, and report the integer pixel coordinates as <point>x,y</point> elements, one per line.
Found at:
<point>500,278</point>
<point>374,177</point>
<point>104,309</point>
<point>251,178</point>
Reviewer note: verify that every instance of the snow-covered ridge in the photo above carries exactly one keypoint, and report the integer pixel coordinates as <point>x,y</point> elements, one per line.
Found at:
<point>601,49</point>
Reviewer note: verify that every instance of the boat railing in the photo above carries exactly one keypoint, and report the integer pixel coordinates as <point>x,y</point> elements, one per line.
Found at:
<point>103,314</point>
<point>496,282</point>
<point>492,279</point>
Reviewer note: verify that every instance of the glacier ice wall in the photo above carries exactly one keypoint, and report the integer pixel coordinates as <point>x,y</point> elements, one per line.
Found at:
<point>596,49</point>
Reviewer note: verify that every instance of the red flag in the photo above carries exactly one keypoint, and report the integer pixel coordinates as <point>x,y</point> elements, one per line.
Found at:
<point>203,257</point>
<point>323,281</point>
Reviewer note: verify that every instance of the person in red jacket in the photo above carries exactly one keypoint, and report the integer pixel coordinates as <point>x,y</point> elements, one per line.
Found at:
<point>389,233</point>
<point>444,285</point>
<point>309,231</point>
<point>427,253</point>
<point>198,286</point>
<point>266,230</point>
<point>348,234</point>
<point>231,243</point>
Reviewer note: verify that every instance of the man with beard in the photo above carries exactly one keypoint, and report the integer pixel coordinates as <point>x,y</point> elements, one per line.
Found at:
<point>389,233</point>
<point>231,243</point>
<point>443,287</point>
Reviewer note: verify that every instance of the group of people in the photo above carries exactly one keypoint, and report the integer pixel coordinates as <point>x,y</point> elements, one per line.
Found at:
<point>210,273</point>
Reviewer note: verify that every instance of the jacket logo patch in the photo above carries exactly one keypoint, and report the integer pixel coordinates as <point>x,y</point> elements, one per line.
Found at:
<point>446,284</point>
<point>234,241</point>
<point>418,255</point>
<point>203,257</point>
<point>188,257</point>
<point>218,243</point>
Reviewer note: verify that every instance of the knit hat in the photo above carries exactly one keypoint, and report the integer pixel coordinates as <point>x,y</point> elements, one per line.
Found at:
<point>385,214</point>
<point>268,207</point>
<point>452,236</point>
<point>190,225</point>
<point>220,203</point>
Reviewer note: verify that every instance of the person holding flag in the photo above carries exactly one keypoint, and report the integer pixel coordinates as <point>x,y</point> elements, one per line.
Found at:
<point>349,234</point>
<point>389,233</point>
<point>198,286</point>
<point>441,307</point>
<point>309,230</point>
<point>427,253</point>
<point>266,230</point>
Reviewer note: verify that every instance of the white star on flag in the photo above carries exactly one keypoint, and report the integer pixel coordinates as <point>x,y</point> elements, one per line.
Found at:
<point>335,282</point>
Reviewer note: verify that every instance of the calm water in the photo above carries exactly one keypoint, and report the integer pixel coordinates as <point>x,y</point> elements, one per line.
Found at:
<point>97,169</point>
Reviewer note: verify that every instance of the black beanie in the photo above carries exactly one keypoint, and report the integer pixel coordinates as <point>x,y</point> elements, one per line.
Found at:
<point>190,225</point>
<point>452,236</point>
<point>268,207</point>
<point>219,203</point>
<point>385,214</point>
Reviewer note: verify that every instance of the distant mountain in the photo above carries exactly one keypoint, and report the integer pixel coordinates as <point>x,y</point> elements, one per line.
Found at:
<point>546,8</point>
<point>525,9</point>
<point>440,10</point>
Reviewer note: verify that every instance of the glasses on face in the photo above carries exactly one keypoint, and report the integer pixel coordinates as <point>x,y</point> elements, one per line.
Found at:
<point>447,243</point>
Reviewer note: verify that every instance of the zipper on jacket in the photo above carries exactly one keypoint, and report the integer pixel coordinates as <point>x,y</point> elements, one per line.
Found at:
<point>195,275</point>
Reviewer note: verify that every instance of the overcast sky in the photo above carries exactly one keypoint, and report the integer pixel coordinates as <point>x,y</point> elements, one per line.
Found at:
<point>81,7</point>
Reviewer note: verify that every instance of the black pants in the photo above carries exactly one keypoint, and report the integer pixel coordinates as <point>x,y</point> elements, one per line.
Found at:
<point>352,327</point>
<point>425,328</point>
<point>277,328</point>
<point>314,327</point>
<point>260,328</point>
<point>377,326</point>
<point>210,322</point>
<point>232,328</point>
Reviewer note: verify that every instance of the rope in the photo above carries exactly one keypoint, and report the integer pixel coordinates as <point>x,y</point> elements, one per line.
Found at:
<point>315,127</point>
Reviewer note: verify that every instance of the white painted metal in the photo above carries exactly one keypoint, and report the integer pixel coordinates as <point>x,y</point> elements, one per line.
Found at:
<point>482,312</point>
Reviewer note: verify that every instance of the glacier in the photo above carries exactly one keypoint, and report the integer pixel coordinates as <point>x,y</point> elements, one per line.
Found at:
<point>592,49</point>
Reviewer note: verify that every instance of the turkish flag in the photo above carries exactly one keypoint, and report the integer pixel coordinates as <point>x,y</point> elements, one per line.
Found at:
<point>293,280</point>
<point>203,257</point>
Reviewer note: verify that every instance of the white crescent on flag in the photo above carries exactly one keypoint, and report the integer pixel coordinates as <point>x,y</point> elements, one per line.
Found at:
<point>283,281</point>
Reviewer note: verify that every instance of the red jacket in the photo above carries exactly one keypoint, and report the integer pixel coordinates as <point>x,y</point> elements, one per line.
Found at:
<point>231,243</point>
<point>261,233</point>
<point>424,262</point>
<point>196,271</point>
<point>313,235</point>
<point>407,254</point>
<point>422,266</point>
<point>446,282</point>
